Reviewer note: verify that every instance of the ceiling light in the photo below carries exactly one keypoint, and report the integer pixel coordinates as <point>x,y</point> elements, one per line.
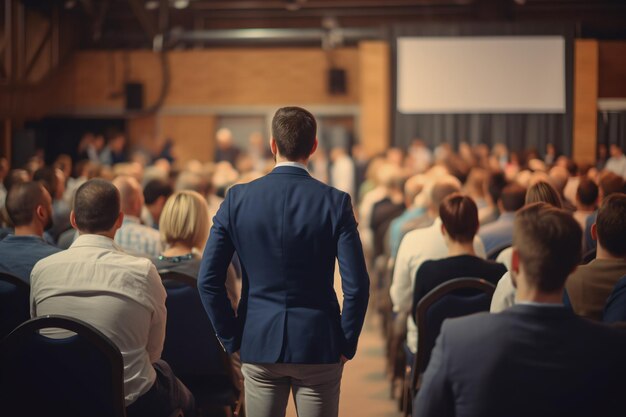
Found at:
<point>152,5</point>
<point>181,4</point>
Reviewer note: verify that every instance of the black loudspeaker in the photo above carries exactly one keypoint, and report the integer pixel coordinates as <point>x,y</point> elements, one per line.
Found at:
<point>134,96</point>
<point>337,81</point>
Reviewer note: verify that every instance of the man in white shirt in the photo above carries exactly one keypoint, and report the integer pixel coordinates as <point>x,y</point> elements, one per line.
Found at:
<point>120,295</point>
<point>418,246</point>
<point>134,237</point>
<point>617,161</point>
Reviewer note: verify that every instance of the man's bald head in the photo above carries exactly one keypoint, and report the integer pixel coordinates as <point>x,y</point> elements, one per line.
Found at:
<point>443,187</point>
<point>131,195</point>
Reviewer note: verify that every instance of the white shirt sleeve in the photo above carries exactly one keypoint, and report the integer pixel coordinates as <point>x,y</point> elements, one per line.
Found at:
<point>401,290</point>
<point>156,335</point>
<point>504,296</point>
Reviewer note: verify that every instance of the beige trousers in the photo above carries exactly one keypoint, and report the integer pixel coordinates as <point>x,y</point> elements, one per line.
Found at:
<point>315,389</point>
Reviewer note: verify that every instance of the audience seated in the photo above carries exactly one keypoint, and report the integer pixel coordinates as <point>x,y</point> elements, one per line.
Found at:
<point>459,224</point>
<point>617,162</point>
<point>495,183</point>
<point>586,201</point>
<point>53,180</point>
<point>386,210</point>
<point>118,294</point>
<point>536,358</point>
<point>30,208</point>
<point>559,177</point>
<point>412,188</point>
<point>155,193</point>
<point>184,226</point>
<point>419,246</point>
<point>608,183</point>
<point>504,296</point>
<point>500,232</point>
<point>590,285</point>
<point>133,236</point>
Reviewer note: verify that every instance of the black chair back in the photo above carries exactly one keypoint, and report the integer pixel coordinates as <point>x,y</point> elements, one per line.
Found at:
<point>455,298</point>
<point>14,303</point>
<point>191,347</point>
<point>615,308</point>
<point>81,375</point>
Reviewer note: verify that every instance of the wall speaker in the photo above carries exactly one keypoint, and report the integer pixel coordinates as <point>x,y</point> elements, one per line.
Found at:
<point>337,81</point>
<point>134,96</point>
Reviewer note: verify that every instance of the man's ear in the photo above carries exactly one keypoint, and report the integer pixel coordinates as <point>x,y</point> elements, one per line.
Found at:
<point>40,211</point>
<point>118,222</point>
<point>514,266</point>
<point>594,232</point>
<point>273,147</point>
<point>314,148</point>
<point>73,219</point>
<point>443,230</point>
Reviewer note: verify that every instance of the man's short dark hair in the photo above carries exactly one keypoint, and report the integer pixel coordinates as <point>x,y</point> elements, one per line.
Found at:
<point>548,243</point>
<point>513,197</point>
<point>156,188</point>
<point>459,216</point>
<point>294,130</point>
<point>587,192</point>
<point>48,178</point>
<point>96,206</point>
<point>495,184</point>
<point>611,224</point>
<point>610,183</point>
<point>22,200</point>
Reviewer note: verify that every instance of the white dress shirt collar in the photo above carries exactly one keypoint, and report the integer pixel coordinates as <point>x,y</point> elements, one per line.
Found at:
<point>99,241</point>
<point>292,164</point>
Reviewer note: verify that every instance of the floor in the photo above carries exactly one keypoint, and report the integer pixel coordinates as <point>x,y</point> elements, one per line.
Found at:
<point>365,388</point>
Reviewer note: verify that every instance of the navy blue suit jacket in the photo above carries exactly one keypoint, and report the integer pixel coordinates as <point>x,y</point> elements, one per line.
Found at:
<point>525,361</point>
<point>615,308</point>
<point>287,229</point>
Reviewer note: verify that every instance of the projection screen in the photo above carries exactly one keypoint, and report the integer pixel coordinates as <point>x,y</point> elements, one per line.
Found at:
<point>501,74</point>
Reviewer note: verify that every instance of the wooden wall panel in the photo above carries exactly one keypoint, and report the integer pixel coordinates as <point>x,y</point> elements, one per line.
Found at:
<point>375,95</point>
<point>211,77</point>
<point>585,100</point>
<point>193,136</point>
<point>612,69</point>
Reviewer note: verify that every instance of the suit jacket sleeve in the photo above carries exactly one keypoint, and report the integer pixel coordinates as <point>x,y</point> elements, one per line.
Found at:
<point>435,397</point>
<point>218,253</point>
<point>354,278</point>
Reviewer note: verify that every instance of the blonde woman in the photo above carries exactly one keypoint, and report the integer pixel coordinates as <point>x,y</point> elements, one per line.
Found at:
<point>184,226</point>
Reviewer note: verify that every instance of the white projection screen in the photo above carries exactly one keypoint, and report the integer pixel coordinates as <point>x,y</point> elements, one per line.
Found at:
<point>501,74</point>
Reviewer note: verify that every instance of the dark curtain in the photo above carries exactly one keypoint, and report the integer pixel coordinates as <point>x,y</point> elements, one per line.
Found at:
<point>517,131</point>
<point>612,128</point>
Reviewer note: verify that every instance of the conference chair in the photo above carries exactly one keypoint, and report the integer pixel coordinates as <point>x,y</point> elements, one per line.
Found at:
<point>455,298</point>
<point>615,308</point>
<point>14,303</point>
<point>492,255</point>
<point>193,351</point>
<point>81,375</point>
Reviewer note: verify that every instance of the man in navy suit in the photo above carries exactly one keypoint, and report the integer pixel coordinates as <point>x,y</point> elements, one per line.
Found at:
<point>287,229</point>
<point>535,358</point>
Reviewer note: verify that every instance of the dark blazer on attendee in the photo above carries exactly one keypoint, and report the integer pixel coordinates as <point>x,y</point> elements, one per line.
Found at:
<point>287,229</point>
<point>528,360</point>
<point>615,308</point>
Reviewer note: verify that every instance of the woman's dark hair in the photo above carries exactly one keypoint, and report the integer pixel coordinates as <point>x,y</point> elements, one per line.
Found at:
<point>459,216</point>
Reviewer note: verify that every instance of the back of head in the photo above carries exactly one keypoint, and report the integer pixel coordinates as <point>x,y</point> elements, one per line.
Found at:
<point>294,130</point>
<point>22,201</point>
<point>443,187</point>
<point>547,240</point>
<point>587,192</point>
<point>513,197</point>
<point>130,194</point>
<point>611,224</point>
<point>559,177</point>
<point>156,188</point>
<point>610,183</point>
<point>96,206</point>
<point>459,216</point>
<point>185,219</point>
<point>542,191</point>
<point>495,184</point>
<point>48,178</point>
